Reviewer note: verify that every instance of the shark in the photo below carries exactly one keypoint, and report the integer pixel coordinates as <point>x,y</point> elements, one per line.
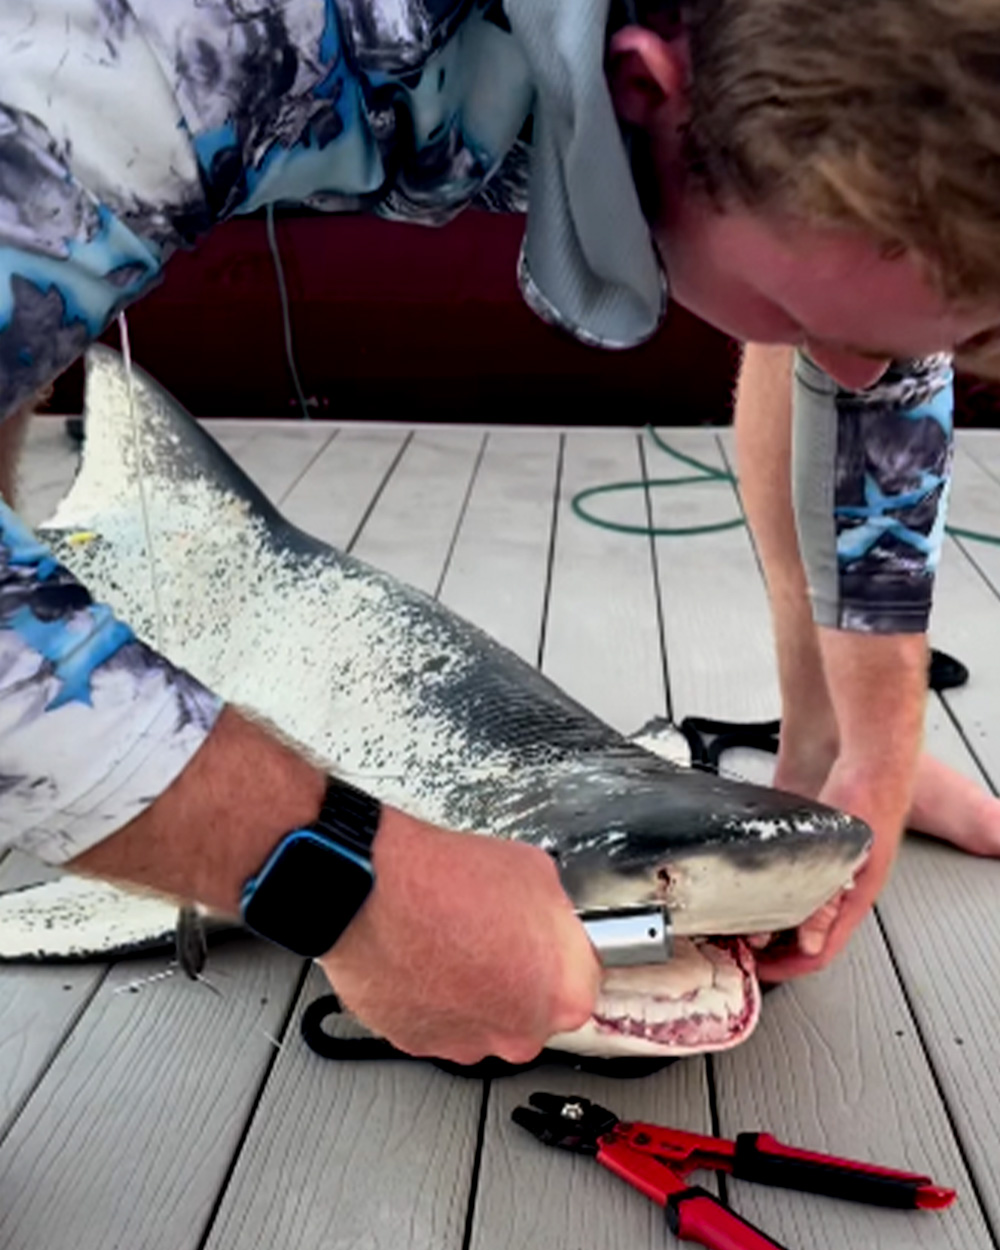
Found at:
<point>399,695</point>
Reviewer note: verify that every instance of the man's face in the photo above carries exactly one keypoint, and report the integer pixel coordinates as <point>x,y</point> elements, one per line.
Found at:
<point>827,291</point>
<point>762,278</point>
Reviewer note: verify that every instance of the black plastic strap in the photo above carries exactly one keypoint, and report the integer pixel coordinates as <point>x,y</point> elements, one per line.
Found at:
<point>366,1048</point>
<point>708,739</point>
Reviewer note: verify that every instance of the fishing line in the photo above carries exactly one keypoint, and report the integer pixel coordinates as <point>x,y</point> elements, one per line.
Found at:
<point>159,630</point>
<point>286,315</point>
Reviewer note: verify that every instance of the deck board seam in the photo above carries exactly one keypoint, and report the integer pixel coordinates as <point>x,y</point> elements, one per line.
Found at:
<point>654,564</point>
<point>82,1007</point>
<point>477,1164</point>
<point>967,446</point>
<point>265,1076</point>
<point>379,492</point>
<point>720,1178</point>
<point>462,510</point>
<point>952,1118</point>
<point>708,1060</point>
<point>543,625</point>
<point>308,466</point>
<point>960,729</point>
<point>962,545</point>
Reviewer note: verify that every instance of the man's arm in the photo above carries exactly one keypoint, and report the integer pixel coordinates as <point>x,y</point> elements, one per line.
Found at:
<point>214,827</point>
<point>852,698</point>
<point>466,946</point>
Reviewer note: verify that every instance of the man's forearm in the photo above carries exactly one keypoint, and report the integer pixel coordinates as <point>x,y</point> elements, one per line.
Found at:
<point>878,685</point>
<point>467,946</point>
<point>216,824</point>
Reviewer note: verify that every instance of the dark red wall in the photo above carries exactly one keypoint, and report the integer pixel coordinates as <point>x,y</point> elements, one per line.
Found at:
<point>404,322</point>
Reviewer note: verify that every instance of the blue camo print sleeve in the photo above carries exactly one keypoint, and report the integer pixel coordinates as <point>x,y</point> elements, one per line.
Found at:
<point>893,471</point>
<point>871,473</point>
<point>93,724</point>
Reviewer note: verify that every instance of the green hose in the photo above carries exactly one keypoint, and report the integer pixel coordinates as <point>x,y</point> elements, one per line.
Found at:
<point>706,473</point>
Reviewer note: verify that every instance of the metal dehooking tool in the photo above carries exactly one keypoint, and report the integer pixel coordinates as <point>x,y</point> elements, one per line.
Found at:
<point>626,936</point>
<point>658,1160</point>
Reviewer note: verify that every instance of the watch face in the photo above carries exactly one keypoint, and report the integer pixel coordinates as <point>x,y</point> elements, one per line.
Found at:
<point>307,893</point>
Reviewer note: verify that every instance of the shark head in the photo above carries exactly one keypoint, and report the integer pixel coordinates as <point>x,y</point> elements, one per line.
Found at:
<point>403,697</point>
<point>728,860</point>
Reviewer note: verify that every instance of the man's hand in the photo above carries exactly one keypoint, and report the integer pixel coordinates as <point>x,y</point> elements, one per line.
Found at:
<point>466,947</point>
<point>878,686</point>
<point>824,935</point>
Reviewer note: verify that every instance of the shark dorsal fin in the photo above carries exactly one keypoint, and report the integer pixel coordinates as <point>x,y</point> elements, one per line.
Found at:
<point>175,455</point>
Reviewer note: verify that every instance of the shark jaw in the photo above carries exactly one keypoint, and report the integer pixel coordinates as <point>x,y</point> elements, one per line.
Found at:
<point>706,998</point>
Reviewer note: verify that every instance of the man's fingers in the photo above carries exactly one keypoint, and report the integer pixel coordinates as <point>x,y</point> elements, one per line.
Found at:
<point>814,931</point>
<point>811,951</point>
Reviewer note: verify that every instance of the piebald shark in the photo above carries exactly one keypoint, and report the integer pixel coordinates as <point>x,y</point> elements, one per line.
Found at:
<point>406,699</point>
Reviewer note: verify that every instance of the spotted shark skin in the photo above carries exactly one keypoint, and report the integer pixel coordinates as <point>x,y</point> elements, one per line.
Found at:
<point>403,697</point>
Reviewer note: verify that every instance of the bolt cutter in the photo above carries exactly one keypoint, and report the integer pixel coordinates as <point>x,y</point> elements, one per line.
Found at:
<point>657,1161</point>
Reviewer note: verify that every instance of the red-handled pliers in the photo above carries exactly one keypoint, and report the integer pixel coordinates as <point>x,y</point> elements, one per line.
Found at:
<point>657,1161</point>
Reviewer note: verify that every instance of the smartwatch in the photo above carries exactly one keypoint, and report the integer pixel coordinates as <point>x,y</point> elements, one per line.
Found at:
<point>314,882</point>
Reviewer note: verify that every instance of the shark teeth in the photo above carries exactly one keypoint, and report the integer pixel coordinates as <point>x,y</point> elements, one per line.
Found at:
<point>705,998</point>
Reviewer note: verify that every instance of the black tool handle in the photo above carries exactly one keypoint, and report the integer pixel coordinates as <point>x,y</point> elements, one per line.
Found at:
<point>763,1159</point>
<point>695,1214</point>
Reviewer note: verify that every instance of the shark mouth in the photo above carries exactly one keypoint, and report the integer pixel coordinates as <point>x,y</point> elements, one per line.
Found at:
<point>706,998</point>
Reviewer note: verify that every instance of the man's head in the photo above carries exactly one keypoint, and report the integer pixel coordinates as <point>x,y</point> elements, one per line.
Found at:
<point>826,174</point>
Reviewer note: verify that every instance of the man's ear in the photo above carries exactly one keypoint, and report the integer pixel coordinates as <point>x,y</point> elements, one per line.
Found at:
<point>647,74</point>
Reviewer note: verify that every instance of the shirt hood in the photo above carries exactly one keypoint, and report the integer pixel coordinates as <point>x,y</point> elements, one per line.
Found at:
<point>588,263</point>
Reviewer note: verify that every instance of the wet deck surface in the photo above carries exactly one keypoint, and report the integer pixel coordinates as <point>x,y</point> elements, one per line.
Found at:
<point>175,1118</point>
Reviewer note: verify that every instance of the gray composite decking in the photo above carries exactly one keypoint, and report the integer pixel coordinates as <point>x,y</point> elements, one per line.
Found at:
<point>175,1118</point>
